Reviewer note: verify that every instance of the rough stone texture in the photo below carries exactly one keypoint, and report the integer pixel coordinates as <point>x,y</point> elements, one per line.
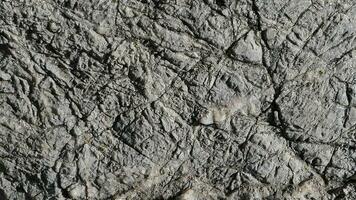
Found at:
<point>177,99</point>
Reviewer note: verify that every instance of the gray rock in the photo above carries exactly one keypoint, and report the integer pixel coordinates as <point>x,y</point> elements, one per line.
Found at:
<point>148,99</point>
<point>247,49</point>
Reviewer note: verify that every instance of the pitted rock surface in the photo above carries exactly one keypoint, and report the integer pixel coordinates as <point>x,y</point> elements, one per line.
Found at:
<point>177,99</point>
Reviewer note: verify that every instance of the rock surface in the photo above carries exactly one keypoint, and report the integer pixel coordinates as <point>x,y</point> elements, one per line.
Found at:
<point>177,99</point>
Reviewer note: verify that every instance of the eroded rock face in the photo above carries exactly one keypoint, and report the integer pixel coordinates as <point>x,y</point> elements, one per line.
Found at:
<point>215,99</point>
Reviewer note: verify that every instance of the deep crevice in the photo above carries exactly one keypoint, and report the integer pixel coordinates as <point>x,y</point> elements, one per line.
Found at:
<point>256,11</point>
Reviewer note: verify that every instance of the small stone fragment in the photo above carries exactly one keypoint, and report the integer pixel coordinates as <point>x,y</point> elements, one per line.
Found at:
<point>188,195</point>
<point>53,27</point>
<point>247,49</point>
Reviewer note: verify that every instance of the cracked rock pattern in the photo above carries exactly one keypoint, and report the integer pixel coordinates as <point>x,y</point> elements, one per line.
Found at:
<point>177,99</point>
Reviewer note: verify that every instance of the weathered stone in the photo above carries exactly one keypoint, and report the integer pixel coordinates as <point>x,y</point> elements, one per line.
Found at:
<point>149,99</point>
<point>247,49</point>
